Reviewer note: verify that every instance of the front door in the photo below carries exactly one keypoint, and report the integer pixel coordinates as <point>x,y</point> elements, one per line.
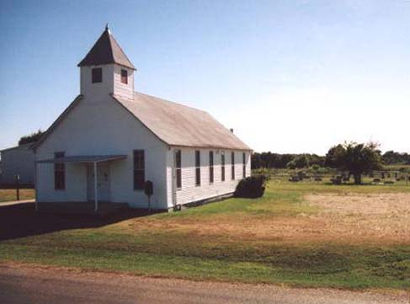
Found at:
<point>103,182</point>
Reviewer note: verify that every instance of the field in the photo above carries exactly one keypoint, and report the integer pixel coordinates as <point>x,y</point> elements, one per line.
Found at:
<point>10,194</point>
<point>298,234</point>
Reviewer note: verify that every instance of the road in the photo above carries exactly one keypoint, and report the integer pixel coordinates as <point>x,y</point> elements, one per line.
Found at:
<point>34,284</point>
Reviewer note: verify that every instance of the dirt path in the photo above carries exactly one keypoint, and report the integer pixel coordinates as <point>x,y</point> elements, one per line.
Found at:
<point>32,284</point>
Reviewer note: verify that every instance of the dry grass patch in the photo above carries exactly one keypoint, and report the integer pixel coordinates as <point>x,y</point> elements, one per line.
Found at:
<point>10,194</point>
<point>320,218</point>
<point>354,218</point>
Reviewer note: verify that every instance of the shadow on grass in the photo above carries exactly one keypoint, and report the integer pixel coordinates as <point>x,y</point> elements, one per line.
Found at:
<point>22,220</point>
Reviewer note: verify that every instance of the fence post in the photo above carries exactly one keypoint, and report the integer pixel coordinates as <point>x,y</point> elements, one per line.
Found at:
<point>18,187</point>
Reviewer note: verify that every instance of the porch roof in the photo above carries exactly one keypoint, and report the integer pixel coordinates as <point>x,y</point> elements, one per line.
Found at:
<point>82,159</point>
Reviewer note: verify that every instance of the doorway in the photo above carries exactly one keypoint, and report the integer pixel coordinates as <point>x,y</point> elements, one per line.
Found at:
<point>103,182</point>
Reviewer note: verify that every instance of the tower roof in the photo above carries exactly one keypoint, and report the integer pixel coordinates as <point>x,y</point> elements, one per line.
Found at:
<point>105,51</point>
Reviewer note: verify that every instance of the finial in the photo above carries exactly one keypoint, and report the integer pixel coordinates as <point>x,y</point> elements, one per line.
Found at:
<point>107,28</point>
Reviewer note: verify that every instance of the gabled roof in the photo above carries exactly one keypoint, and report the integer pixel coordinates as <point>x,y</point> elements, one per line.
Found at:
<point>179,125</point>
<point>173,123</point>
<point>105,51</point>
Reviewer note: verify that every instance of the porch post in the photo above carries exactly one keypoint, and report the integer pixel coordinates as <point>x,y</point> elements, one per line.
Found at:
<point>95,188</point>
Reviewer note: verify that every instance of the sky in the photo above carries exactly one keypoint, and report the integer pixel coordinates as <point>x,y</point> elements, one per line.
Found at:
<point>287,76</point>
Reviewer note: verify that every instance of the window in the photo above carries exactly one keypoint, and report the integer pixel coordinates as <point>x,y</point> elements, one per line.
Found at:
<point>232,165</point>
<point>243,165</point>
<point>178,168</point>
<point>96,75</point>
<point>211,167</point>
<point>198,168</point>
<point>124,76</point>
<point>222,166</point>
<point>139,170</point>
<point>59,173</point>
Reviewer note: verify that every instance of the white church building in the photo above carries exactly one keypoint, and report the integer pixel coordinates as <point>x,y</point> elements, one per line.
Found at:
<point>111,140</point>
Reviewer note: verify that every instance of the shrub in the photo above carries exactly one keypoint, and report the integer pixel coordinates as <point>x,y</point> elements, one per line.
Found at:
<point>315,167</point>
<point>251,187</point>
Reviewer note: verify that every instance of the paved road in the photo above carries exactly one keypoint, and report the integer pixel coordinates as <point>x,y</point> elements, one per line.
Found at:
<point>28,284</point>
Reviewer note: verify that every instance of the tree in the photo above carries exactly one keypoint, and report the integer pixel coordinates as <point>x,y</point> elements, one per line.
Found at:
<point>355,158</point>
<point>275,160</point>
<point>392,157</point>
<point>299,161</point>
<point>334,157</point>
<point>33,137</point>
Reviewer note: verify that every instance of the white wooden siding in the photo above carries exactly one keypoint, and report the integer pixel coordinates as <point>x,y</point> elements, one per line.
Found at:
<point>97,91</point>
<point>122,89</point>
<point>102,128</point>
<point>189,192</point>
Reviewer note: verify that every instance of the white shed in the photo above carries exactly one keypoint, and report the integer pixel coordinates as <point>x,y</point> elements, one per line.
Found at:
<point>111,140</point>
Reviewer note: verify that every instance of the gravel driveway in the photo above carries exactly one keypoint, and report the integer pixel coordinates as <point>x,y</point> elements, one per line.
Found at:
<point>35,284</point>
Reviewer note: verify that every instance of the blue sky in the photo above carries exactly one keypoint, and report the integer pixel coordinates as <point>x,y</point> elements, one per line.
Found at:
<point>288,76</point>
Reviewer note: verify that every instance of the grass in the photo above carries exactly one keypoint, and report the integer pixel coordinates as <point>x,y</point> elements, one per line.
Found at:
<point>310,187</point>
<point>255,241</point>
<point>10,194</point>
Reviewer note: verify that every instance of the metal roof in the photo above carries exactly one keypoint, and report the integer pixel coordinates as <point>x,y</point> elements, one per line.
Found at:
<point>82,159</point>
<point>106,50</point>
<point>180,125</point>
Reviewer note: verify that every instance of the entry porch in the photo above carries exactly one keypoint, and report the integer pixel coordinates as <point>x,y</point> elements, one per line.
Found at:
<point>97,169</point>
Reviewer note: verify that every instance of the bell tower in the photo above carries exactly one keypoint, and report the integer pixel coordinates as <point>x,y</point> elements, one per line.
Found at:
<point>106,70</point>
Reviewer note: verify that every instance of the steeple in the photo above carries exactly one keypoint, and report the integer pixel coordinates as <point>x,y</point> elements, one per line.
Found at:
<point>106,70</point>
<point>105,51</point>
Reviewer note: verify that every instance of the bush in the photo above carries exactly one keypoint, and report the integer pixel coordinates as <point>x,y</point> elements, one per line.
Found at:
<point>251,187</point>
<point>315,167</point>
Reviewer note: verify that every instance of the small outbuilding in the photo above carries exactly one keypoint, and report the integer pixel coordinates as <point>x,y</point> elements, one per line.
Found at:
<point>111,140</point>
<point>17,161</point>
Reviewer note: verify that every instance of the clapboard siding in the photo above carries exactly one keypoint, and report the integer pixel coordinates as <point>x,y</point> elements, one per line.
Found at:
<point>111,82</point>
<point>96,91</point>
<point>102,128</point>
<point>122,89</point>
<point>189,191</point>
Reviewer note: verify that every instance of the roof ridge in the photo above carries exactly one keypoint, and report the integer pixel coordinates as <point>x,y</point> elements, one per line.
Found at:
<point>180,125</point>
<point>172,102</point>
<point>111,44</point>
<point>112,39</point>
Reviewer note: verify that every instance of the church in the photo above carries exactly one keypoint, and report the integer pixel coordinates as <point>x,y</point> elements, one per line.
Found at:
<point>111,140</point>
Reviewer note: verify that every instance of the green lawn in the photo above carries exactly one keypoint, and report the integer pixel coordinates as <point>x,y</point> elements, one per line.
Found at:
<point>279,239</point>
<point>10,194</point>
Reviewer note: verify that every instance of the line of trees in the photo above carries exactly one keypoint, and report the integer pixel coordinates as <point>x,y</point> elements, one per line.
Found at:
<point>291,161</point>
<point>305,160</point>
<point>395,158</point>
<point>353,158</point>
